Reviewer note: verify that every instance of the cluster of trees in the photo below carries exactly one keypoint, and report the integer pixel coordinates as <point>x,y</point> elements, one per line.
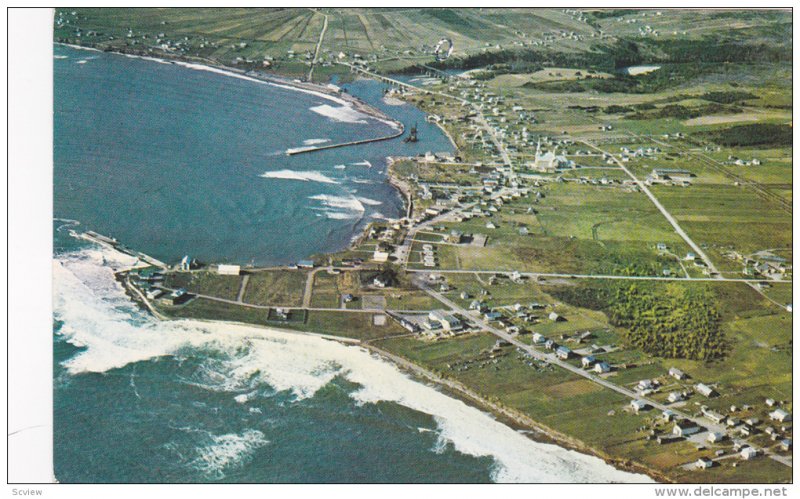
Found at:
<point>675,322</point>
<point>757,134</point>
<point>680,112</point>
<point>666,320</point>
<point>728,97</point>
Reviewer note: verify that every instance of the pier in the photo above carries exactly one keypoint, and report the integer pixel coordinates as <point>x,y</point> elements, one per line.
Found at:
<point>110,242</point>
<point>301,150</point>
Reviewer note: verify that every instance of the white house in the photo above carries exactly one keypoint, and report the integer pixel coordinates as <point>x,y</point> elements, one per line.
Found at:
<point>676,373</point>
<point>780,415</point>
<point>228,269</point>
<point>638,405</point>
<point>703,463</point>
<point>380,256</point>
<point>674,397</point>
<point>602,367</point>
<point>685,428</point>
<point>748,453</point>
<point>704,390</point>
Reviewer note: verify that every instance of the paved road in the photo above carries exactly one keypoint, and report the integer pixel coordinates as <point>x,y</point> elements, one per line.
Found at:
<point>552,359</point>
<point>319,45</point>
<point>242,288</point>
<point>591,276</point>
<point>663,210</point>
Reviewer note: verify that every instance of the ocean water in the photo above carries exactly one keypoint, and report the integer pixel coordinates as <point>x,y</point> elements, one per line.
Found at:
<point>139,400</point>
<point>173,160</point>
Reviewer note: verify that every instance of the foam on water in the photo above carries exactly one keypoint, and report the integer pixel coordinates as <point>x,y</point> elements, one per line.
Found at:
<point>341,207</point>
<point>93,307</point>
<point>344,114</point>
<point>368,201</point>
<point>311,142</point>
<point>305,176</point>
<point>226,451</point>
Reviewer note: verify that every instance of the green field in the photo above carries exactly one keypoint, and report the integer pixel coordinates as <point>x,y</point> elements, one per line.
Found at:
<point>276,288</point>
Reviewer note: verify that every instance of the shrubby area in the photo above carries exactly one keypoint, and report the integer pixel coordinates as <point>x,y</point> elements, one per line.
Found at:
<point>757,134</point>
<point>676,322</point>
<point>668,320</point>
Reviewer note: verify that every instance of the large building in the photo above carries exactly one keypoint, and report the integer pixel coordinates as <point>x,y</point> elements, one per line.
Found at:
<point>441,319</point>
<point>550,161</point>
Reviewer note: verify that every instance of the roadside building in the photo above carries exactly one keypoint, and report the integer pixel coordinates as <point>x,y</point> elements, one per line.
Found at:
<point>705,390</point>
<point>676,373</point>
<point>780,415</point>
<point>674,397</point>
<point>228,269</point>
<point>563,353</point>
<point>380,256</point>
<point>748,453</point>
<point>638,405</point>
<point>446,321</point>
<point>685,428</point>
<point>601,368</point>
<point>703,463</point>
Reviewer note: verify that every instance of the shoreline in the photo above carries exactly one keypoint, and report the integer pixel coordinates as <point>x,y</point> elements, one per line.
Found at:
<point>317,89</point>
<point>515,420</point>
<point>520,423</point>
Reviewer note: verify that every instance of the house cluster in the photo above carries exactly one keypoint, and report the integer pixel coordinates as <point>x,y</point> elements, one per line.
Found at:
<point>429,255</point>
<point>670,176</point>
<point>440,321</point>
<point>733,160</point>
<point>642,152</point>
<point>765,265</point>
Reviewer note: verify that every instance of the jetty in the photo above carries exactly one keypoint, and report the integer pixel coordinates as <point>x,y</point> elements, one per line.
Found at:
<point>301,150</point>
<point>112,243</point>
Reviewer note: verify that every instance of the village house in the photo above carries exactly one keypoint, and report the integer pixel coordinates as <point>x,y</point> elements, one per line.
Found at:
<point>676,373</point>
<point>602,367</point>
<point>703,463</point>
<point>780,415</point>
<point>563,353</point>
<point>674,397</point>
<point>748,453</point>
<point>380,282</point>
<point>704,390</point>
<point>714,416</point>
<point>445,321</point>
<point>638,405</point>
<point>685,428</point>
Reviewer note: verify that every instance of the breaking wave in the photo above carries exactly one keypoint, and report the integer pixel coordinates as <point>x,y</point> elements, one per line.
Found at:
<point>341,207</point>
<point>311,142</point>
<point>305,176</point>
<point>223,452</point>
<point>344,114</point>
<point>98,316</point>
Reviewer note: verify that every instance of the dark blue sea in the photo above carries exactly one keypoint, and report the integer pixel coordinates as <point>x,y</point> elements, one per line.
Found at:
<point>174,160</point>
